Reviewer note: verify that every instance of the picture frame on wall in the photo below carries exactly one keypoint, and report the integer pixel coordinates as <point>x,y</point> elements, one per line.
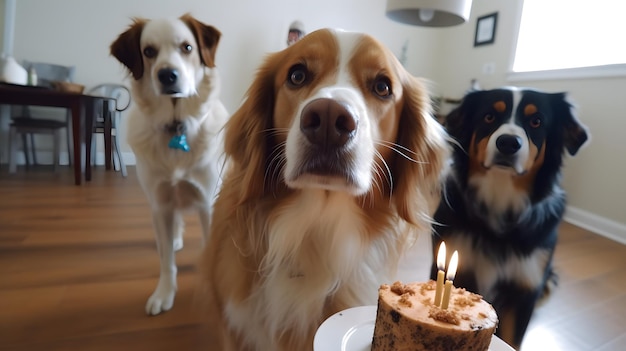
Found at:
<point>486,29</point>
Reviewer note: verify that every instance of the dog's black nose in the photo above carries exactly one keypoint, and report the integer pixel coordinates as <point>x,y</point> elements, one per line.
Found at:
<point>168,76</point>
<point>508,144</point>
<point>327,123</point>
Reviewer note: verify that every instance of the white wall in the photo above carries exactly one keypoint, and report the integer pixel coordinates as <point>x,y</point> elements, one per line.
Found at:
<point>79,32</point>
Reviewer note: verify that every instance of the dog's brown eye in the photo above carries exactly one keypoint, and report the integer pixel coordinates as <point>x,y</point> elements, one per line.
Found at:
<point>535,122</point>
<point>297,75</point>
<point>149,52</point>
<point>186,48</point>
<point>489,118</point>
<point>382,87</point>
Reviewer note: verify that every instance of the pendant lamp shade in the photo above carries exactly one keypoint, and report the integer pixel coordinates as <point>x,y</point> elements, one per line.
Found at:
<point>429,13</point>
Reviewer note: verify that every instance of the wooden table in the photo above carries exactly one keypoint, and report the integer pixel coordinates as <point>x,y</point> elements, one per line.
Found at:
<point>80,105</point>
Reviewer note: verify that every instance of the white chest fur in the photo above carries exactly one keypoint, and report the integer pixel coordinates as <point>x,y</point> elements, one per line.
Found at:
<point>527,271</point>
<point>497,191</point>
<point>318,249</point>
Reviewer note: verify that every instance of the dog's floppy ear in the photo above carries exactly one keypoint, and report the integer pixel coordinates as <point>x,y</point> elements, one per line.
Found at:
<point>457,120</point>
<point>207,37</point>
<point>247,132</point>
<point>418,181</point>
<point>575,133</point>
<point>127,49</point>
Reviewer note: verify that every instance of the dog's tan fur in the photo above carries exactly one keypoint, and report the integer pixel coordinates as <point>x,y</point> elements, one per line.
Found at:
<point>286,253</point>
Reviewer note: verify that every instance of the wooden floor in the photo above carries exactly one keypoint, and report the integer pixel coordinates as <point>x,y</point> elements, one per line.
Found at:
<point>77,264</point>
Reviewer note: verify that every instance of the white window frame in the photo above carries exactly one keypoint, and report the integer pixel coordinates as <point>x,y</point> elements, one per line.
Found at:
<point>604,71</point>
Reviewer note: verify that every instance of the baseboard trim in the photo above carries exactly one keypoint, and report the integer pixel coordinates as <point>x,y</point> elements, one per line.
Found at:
<point>129,158</point>
<point>606,227</point>
<point>44,157</point>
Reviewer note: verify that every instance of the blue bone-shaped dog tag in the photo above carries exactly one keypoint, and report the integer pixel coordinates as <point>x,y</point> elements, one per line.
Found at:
<point>179,139</point>
<point>179,142</point>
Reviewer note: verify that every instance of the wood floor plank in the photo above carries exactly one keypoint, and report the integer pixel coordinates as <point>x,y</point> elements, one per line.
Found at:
<point>77,264</point>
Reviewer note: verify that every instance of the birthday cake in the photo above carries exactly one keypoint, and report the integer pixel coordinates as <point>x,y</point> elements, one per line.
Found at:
<point>408,320</point>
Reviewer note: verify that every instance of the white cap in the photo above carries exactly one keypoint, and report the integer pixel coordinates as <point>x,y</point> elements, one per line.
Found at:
<point>297,25</point>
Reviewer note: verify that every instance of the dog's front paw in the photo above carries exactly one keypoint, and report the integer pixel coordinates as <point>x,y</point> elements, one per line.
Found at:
<point>178,243</point>
<point>162,299</point>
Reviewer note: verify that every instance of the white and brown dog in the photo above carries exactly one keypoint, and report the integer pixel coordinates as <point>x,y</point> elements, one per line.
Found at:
<point>174,129</point>
<point>334,164</point>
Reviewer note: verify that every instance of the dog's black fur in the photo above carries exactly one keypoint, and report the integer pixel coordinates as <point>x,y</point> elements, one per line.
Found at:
<point>500,213</point>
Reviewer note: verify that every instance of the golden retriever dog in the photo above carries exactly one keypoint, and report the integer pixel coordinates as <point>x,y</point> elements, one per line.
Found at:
<point>335,164</point>
<point>175,129</point>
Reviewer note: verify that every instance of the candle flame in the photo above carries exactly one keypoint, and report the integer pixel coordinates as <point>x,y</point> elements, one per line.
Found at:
<point>454,263</point>
<point>441,257</point>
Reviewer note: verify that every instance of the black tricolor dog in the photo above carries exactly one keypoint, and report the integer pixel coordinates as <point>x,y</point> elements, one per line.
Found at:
<point>502,203</point>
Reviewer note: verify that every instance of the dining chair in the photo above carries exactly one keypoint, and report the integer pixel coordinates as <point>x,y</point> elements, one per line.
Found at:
<point>40,120</point>
<point>122,97</point>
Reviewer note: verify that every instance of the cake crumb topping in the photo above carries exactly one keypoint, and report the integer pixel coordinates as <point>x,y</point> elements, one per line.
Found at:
<point>397,288</point>
<point>400,289</point>
<point>446,316</point>
<point>405,300</point>
<point>428,286</point>
<point>464,301</point>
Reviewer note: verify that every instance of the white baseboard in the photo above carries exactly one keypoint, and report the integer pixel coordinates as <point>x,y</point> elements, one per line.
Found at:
<point>597,224</point>
<point>44,157</point>
<point>129,158</point>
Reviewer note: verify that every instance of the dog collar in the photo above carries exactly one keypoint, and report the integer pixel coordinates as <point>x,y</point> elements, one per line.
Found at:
<point>179,140</point>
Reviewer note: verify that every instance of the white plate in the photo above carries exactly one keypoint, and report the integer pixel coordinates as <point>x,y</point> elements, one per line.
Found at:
<point>352,330</point>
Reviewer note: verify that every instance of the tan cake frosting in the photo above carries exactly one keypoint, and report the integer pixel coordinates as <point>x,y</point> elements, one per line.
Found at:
<point>407,319</point>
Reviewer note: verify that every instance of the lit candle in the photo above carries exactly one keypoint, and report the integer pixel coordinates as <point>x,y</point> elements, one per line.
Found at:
<point>441,265</point>
<point>454,262</point>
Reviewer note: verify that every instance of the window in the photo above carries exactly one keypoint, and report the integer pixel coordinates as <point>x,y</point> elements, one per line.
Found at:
<point>575,37</point>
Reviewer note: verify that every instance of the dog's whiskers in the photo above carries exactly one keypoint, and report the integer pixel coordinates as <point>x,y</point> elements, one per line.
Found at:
<point>382,171</point>
<point>275,131</point>
<point>276,162</point>
<point>400,150</point>
<point>386,173</point>
<point>457,144</point>
<point>404,148</point>
<point>376,179</point>
<point>276,158</point>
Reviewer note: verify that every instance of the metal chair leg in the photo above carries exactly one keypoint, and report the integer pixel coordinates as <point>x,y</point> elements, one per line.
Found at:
<point>13,142</point>
<point>56,149</point>
<point>25,148</point>
<point>118,152</point>
<point>32,149</point>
